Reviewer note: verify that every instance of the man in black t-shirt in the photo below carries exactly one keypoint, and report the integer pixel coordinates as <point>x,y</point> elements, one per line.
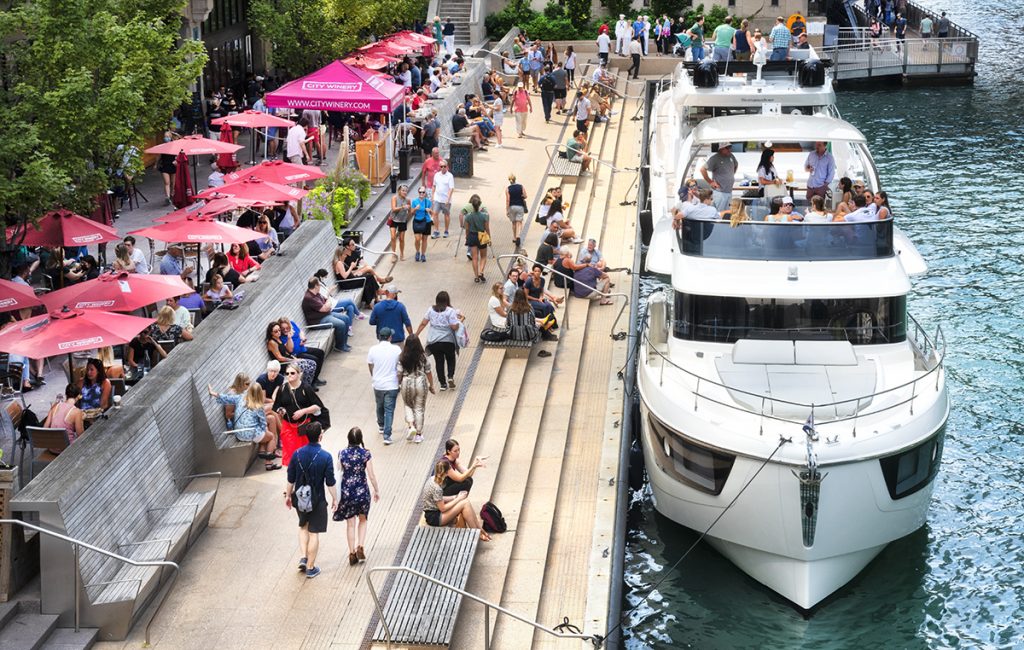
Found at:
<point>547,92</point>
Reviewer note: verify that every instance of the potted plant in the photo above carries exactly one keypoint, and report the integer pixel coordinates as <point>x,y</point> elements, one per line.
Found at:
<point>337,195</point>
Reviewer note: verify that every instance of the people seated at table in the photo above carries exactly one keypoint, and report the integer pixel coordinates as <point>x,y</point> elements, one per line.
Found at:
<point>113,367</point>
<point>96,388</point>
<point>250,421</point>
<point>276,349</point>
<point>122,261</point>
<point>173,262</point>
<point>348,264</point>
<point>60,272</point>
<point>219,264</point>
<point>191,300</point>
<point>147,346</point>
<point>182,316</point>
<point>440,510</point>
<point>295,344</point>
<point>238,257</point>
<point>218,291</point>
<point>66,414</point>
<point>88,267</point>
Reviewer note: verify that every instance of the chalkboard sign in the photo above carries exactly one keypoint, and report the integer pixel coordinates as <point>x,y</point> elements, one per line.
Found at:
<point>460,159</point>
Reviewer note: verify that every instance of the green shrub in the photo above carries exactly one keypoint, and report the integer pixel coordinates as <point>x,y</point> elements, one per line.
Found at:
<point>712,18</point>
<point>578,12</point>
<point>616,7</point>
<point>672,8</point>
<point>558,29</point>
<point>553,10</point>
<point>516,14</point>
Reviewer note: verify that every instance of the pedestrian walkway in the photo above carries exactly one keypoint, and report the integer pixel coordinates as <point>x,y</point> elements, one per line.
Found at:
<point>546,423</point>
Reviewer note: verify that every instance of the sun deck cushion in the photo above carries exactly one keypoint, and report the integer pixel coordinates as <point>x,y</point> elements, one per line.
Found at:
<point>825,353</point>
<point>763,352</point>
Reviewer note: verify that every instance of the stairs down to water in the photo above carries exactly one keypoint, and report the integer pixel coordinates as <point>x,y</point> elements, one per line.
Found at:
<point>23,627</point>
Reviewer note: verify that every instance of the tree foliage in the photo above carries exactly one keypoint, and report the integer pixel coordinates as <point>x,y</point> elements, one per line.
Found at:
<point>309,34</point>
<point>84,81</point>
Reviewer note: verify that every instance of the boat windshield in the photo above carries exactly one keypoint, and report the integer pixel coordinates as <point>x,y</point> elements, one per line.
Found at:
<point>696,114</point>
<point>861,321</point>
<point>761,240</point>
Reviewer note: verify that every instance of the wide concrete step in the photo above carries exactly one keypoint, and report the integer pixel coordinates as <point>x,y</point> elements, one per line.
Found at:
<point>27,631</point>
<point>67,639</point>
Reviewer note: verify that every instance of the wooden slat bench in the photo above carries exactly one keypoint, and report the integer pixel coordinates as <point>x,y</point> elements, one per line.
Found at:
<point>513,349</point>
<point>566,168</point>
<point>418,612</point>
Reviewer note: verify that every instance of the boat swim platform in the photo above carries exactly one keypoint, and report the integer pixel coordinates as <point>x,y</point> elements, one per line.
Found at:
<point>550,426</point>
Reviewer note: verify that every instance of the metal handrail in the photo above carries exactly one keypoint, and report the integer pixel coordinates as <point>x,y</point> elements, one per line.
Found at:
<point>625,298</point>
<point>77,544</point>
<point>939,364</point>
<point>551,156</point>
<point>866,42</point>
<point>595,639</point>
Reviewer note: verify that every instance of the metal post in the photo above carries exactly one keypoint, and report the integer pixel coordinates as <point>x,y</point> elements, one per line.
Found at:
<point>78,595</point>
<point>487,627</point>
<point>696,395</point>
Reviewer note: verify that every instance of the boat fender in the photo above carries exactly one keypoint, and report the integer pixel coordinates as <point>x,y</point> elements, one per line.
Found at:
<point>646,226</point>
<point>636,467</point>
<point>705,75</point>
<point>811,73</point>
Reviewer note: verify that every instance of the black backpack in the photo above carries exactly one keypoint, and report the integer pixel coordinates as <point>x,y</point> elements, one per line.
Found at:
<point>547,84</point>
<point>493,335</point>
<point>492,519</point>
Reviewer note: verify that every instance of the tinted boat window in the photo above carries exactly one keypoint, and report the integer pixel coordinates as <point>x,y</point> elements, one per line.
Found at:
<point>911,470</point>
<point>860,321</point>
<point>700,467</point>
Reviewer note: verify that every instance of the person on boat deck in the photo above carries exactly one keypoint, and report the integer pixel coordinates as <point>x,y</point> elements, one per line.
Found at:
<point>862,213</point>
<point>786,211</point>
<point>822,168</point>
<point>705,210</point>
<point>720,172</point>
<point>688,192</point>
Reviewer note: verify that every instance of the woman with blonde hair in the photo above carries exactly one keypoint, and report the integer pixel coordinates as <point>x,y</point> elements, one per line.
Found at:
<point>250,423</point>
<point>122,260</point>
<point>439,510</point>
<point>737,213</point>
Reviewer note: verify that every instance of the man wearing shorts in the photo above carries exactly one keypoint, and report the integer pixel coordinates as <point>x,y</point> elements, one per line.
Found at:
<point>444,187</point>
<point>515,207</point>
<point>311,466</point>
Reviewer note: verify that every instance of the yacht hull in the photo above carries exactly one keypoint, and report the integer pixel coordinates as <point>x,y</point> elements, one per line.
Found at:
<point>763,532</point>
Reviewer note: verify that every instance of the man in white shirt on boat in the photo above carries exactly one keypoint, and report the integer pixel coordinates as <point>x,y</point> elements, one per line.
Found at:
<point>720,172</point>
<point>702,211</point>
<point>863,211</point>
<point>822,168</point>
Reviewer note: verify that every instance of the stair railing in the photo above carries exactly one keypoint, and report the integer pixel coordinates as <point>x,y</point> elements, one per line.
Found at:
<point>595,639</point>
<point>78,544</point>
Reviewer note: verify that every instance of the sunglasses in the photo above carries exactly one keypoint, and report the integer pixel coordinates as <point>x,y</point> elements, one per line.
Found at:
<point>291,373</point>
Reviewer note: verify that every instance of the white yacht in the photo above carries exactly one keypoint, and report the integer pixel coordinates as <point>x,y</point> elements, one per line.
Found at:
<point>789,402</point>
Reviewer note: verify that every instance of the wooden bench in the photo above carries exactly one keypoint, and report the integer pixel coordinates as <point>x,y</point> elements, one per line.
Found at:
<point>566,168</point>
<point>418,612</point>
<point>513,348</point>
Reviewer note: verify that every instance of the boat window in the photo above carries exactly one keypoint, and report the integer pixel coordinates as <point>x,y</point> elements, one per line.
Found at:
<point>759,240</point>
<point>861,321</point>
<point>909,471</point>
<point>700,467</point>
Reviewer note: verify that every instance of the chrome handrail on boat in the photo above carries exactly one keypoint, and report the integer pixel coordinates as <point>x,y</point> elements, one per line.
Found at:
<point>77,544</point>
<point>625,298</point>
<point>937,369</point>
<point>596,639</point>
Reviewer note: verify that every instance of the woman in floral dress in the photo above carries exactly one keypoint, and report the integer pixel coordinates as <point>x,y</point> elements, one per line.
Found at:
<point>356,465</point>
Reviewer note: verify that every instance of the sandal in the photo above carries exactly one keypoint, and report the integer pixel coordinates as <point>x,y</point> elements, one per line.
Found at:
<point>270,467</point>
<point>266,456</point>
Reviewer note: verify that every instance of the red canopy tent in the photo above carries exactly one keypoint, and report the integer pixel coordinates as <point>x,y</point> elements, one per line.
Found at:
<point>14,295</point>
<point>117,291</point>
<point>339,87</point>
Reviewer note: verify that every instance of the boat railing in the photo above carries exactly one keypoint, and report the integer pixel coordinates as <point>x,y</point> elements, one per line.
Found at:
<point>569,280</point>
<point>937,346</point>
<point>787,241</point>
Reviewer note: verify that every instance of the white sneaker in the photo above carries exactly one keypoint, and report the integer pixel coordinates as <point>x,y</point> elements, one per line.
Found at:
<point>418,439</point>
<point>412,433</point>
<point>388,441</point>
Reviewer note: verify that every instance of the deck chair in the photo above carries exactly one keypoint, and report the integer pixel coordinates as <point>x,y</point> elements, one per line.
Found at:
<point>44,444</point>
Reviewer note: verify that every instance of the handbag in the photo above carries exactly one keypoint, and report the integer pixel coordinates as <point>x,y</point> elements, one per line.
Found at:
<point>773,191</point>
<point>483,238</point>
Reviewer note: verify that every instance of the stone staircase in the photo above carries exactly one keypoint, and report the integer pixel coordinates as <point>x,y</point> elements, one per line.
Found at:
<point>23,627</point>
<point>458,11</point>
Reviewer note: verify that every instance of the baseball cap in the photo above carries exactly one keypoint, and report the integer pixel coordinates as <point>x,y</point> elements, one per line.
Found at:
<point>787,199</point>
<point>392,288</point>
<point>385,333</point>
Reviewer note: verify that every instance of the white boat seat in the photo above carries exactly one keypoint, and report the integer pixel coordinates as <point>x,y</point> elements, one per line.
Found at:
<point>756,351</point>
<point>825,353</point>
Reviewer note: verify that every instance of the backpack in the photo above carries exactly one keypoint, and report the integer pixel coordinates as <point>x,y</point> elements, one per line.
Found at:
<point>494,336</point>
<point>303,492</point>
<point>547,83</point>
<point>492,519</point>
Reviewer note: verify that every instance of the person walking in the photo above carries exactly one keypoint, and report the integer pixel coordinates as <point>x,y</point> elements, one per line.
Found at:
<point>444,321</point>
<point>547,93</point>
<point>604,43</point>
<point>421,208</point>
<point>391,313</point>
<point>444,187</point>
<point>477,223</point>
<point>383,362</point>
<point>398,221</point>
<point>515,207</point>
<point>522,106</point>
<point>570,66</point>
<point>635,51</point>
<point>356,465</point>
<point>437,29</point>
<point>308,474</point>
<point>449,35</point>
<point>415,379</point>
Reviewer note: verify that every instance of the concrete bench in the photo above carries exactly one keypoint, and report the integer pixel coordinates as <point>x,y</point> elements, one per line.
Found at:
<point>132,504</point>
<point>416,611</point>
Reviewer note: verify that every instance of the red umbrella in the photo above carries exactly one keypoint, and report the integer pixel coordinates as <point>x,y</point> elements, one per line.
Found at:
<point>118,291</point>
<point>198,231</point>
<point>194,145</point>
<point>204,209</point>
<point>387,47</point>
<point>14,295</point>
<point>255,190</point>
<point>253,120</point>
<point>183,192</point>
<point>62,228</point>
<point>227,162</point>
<point>69,330</point>
<point>277,171</point>
<point>370,62</point>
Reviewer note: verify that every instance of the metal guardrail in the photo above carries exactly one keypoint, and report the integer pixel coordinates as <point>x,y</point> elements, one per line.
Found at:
<point>551,156</point>
<point>909,55</point>
<point>920,341</point>
<point>78,544</point>
<point>625,298</point>
<point>595,639</point>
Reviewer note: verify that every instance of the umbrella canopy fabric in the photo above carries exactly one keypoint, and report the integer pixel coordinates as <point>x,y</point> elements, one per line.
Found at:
<point>422,39</point>
<point>182,194</point>
<point>118,291</point>
<point>255,190</point>
<point>198,231</point>
<point>14,295</point>
<point>253,120</point>
<point>194,145</point>
<point>389,47</point>
<point>339,87</point>
<point>368,62</point>
<point>203,209</point>
<point>227,162</point>
<point>66,331</point>
<point>62,228</point>
<point>277,171</point>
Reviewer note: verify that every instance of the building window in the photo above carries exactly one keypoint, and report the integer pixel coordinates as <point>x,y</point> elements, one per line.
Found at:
<point>775,3</point>
<point>732,3</point>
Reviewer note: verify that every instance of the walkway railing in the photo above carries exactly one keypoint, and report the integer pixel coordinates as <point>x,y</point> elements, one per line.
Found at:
<point>855,56</point>
<point>569,279</point>
<point>595,639</point>
<point>920,341</point>
<point>78,544</point>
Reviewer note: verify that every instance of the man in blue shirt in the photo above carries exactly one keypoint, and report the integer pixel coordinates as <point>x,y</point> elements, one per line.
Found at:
<point>391,314</point>
<point>172,263</point>
<point>822,167</point>
<point>781,39</point>
<point>311,466</point>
